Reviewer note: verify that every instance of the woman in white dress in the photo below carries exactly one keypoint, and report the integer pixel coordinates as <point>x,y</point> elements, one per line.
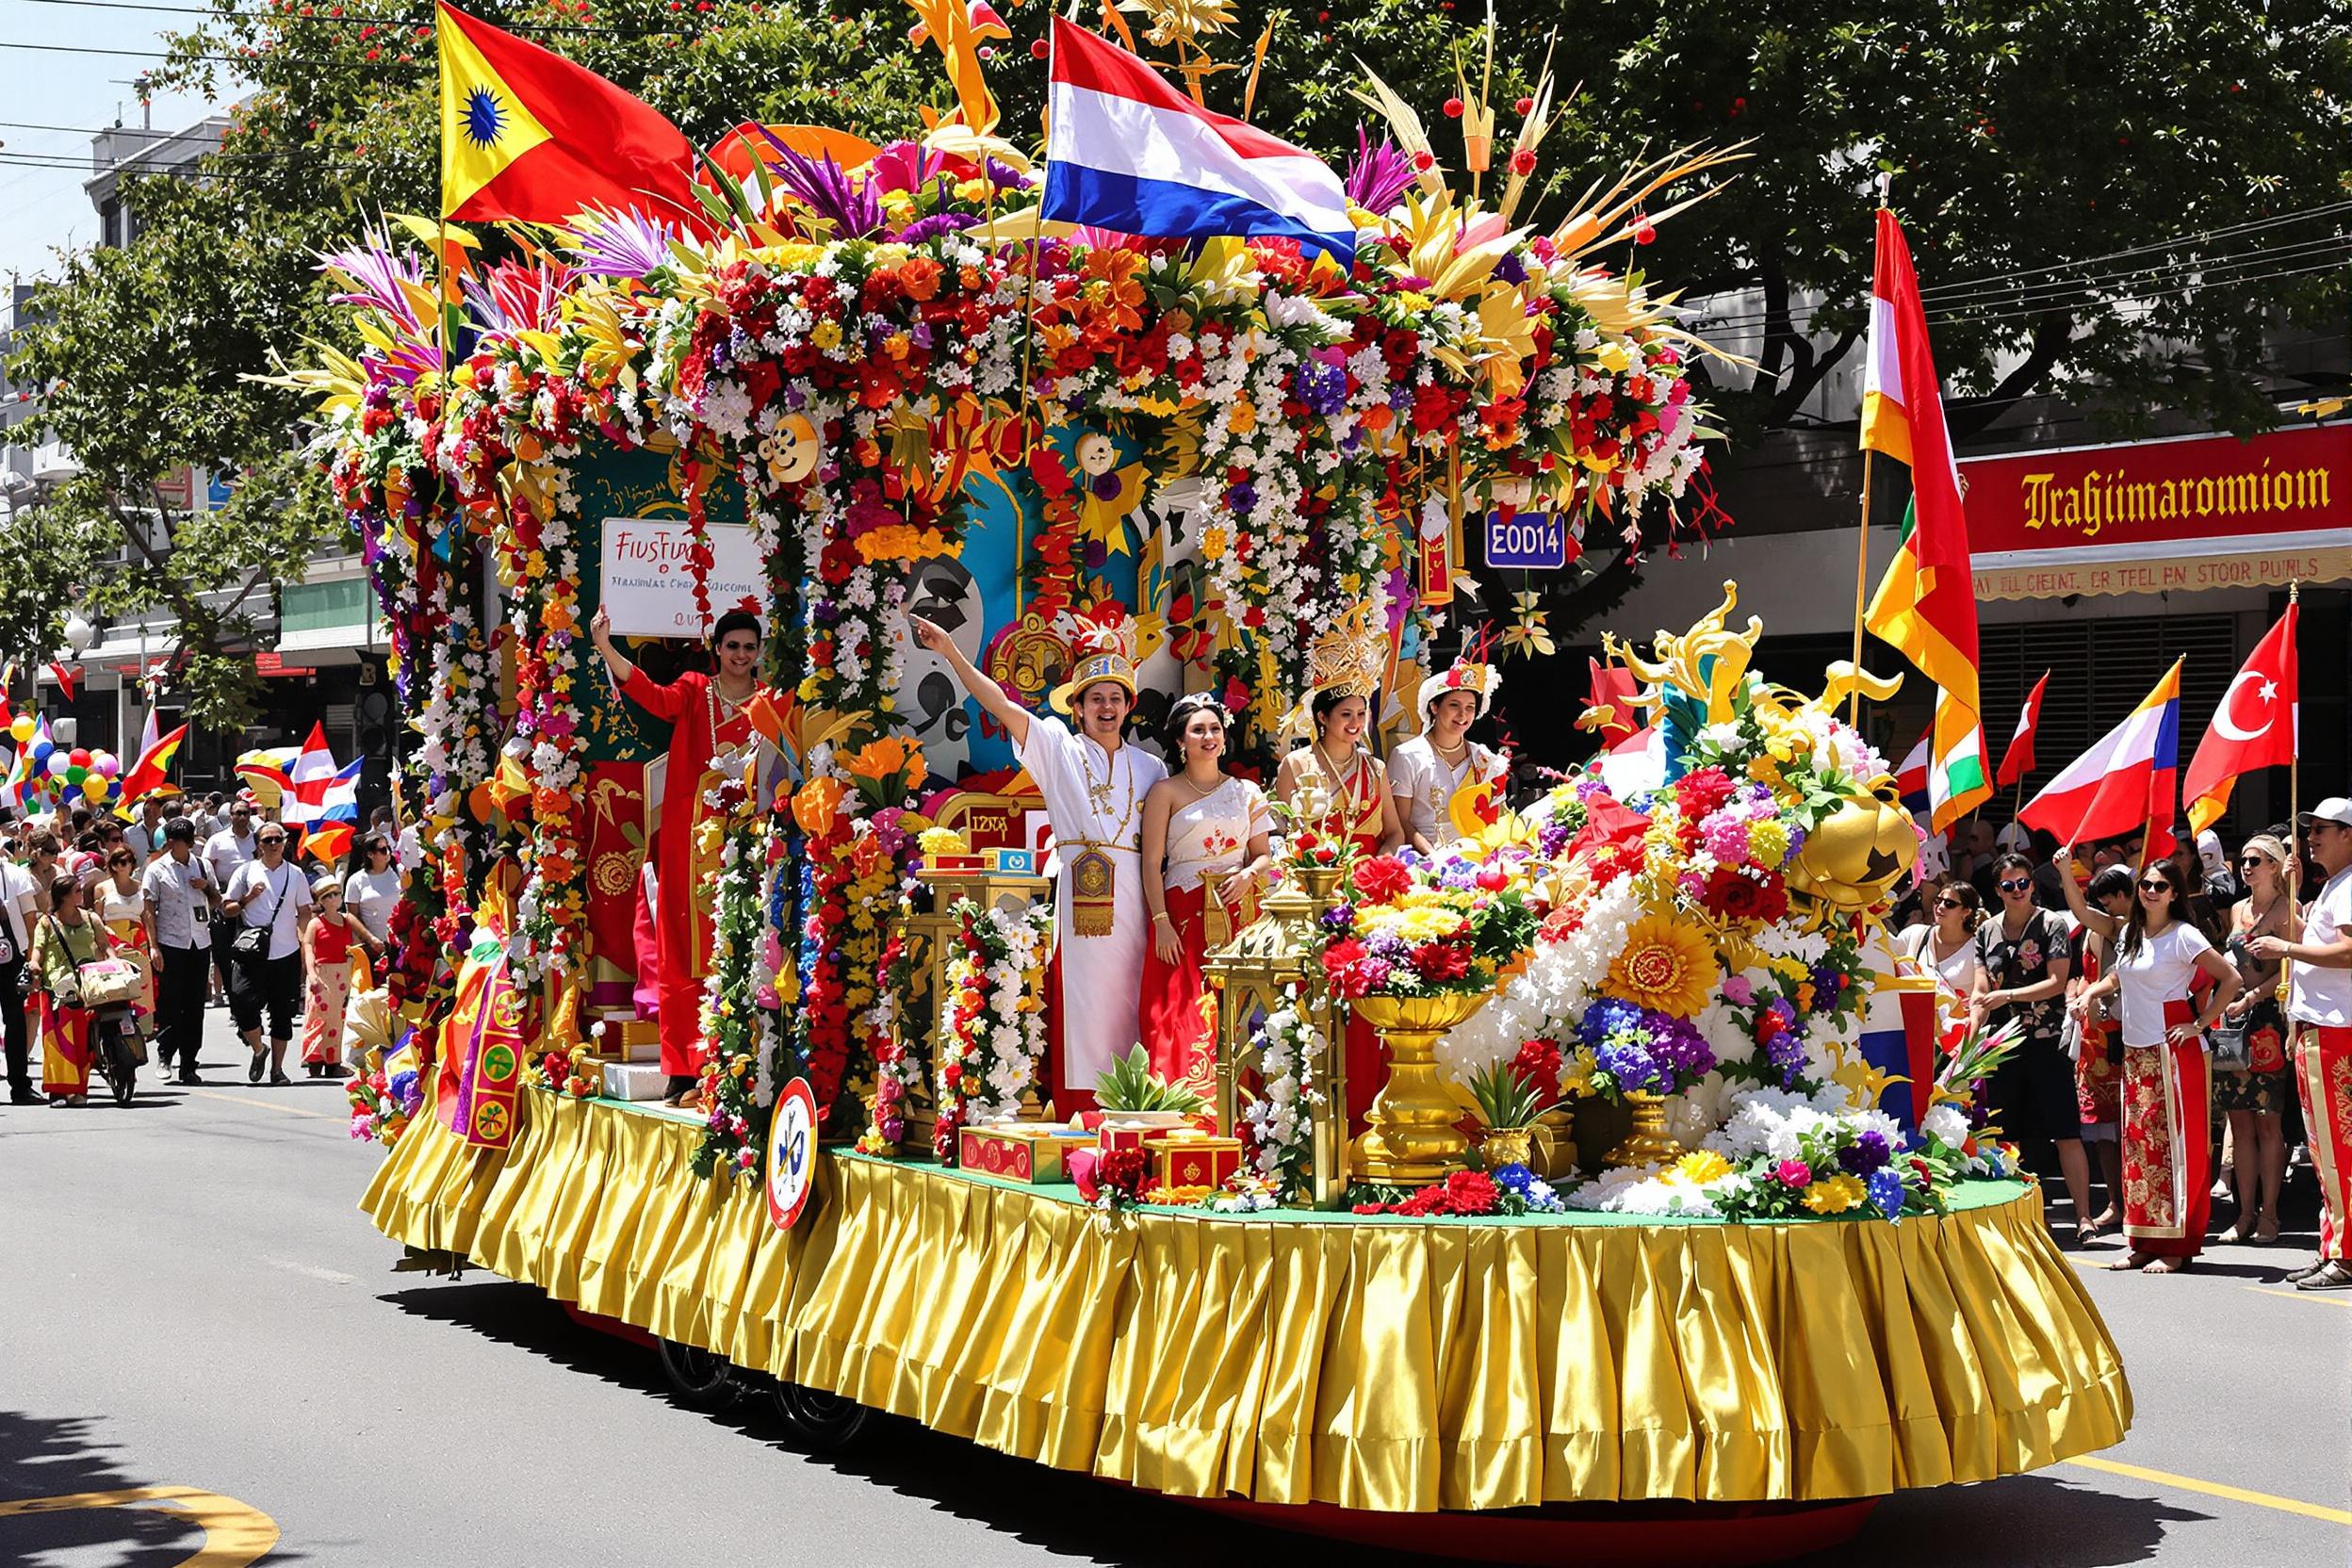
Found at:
<point>1198,821</point>
<point>1427,772</point>
<point>1944,945</point>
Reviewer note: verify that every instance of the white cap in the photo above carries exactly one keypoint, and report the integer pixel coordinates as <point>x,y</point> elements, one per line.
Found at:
<point>2335,809</point>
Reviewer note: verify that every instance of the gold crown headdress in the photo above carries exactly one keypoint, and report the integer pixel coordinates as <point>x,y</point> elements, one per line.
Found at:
<point>1347,658</point>
<point>1101,647</point>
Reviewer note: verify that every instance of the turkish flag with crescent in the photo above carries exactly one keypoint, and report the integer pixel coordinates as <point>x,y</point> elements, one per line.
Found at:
<point>2254,727</point>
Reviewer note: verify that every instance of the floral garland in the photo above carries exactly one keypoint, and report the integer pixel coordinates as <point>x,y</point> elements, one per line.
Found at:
<point>740,1013</point>
<point>898,1062</point>
<point>382,1105</point>
<point>1281,1116</point>
<point>991,1022</point>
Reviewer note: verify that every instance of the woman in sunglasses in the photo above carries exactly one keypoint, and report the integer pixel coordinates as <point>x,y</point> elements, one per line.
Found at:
<point>1945,944</point>
<point>2022,968</point>
<point>122,905</point>
<point>2098,1060</point>
<point>2166,1086</point>
<point>2254,1096</point>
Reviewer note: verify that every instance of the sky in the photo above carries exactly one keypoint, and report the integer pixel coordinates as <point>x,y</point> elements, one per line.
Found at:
<point>45,208</point>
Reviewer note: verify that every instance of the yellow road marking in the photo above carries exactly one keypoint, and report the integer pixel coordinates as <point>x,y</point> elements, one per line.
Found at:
<point>264,1105</point>
<point>235,1534</point>
<point>2215,1488</point>
<point>2312,1297</point>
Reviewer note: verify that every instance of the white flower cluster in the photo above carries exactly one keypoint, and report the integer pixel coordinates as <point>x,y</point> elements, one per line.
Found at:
<point>1290,1097</point>
<point>1545,999</point>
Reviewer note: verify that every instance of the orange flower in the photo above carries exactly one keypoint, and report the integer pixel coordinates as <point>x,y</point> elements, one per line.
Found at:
<point>919,276</point>
<point>814,802</point>
<point>883,759</point>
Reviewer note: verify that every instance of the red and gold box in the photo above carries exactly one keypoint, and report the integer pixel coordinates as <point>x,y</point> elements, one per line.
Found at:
<point>629,1040</point>
<point>1185,1158</point>
<point>1032,1154</point>
<point>1108,1137</point>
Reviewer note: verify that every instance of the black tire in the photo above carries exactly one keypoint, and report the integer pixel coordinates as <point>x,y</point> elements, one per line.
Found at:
<point>699,1378</point>
<point>120,1065</point>
<point>819,1422</point>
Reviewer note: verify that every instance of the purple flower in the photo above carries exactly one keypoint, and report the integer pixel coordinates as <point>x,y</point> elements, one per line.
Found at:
<point>1322,387</point>
<point>933,227</point>
<point>1339,919</point>
<point>1377,174</point>
<point>1510,269</point>
<point>1865,1153</point>
<point>1242,499</point>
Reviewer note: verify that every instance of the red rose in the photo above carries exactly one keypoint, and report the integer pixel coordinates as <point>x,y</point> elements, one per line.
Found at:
<point>1342,963</point>
<point>1440,960</point>
<point>1701,790</point>
<point>1735,896</point>
<point>1381,879</point>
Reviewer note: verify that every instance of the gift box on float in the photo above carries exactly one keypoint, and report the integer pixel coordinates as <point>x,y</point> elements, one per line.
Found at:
<point>1186,1158</point>
<point>627,1038</point>
<point>1019,1153</point>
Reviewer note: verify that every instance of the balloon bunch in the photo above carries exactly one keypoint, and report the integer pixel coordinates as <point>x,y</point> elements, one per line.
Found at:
<point>64,771</point>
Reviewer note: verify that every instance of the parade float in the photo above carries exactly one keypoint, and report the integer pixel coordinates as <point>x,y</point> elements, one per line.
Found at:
<point>1669,1194</point>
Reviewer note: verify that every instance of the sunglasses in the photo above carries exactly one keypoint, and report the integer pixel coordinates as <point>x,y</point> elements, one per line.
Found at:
<point>272,839</point>
<point>2155,885</point>
<point>1950,903</point>
<point>122,861</point>
<point>2018,885</point>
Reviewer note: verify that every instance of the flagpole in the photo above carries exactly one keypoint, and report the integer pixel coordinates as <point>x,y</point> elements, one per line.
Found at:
<point>2295,789</point>
<point>1862,560</point>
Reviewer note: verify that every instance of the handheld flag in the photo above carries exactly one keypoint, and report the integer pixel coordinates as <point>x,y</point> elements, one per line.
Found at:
<point>308,780</point>
<point>2246,733</point>
<point>1925,607</point>
<point>1125,151</point>
<point>68,678</point>
<point>154,768</point>
<point>1911,777</point>
<point>527,135</point>
<point>2124,784</point>
<point>337,820</point>
<point>2018,760</point>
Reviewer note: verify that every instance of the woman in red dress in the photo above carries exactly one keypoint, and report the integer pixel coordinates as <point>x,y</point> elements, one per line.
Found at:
<point>711,741</point>
<point>1337,789</point>
<point>1199,821</point>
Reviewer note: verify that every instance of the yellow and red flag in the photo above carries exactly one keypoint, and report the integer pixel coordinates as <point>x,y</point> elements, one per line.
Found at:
<point>528,136</point>
<point>1925,607</point>
<point>154,767</point>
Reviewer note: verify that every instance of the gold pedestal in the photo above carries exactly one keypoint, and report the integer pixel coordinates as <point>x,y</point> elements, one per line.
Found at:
<point>1504,1146</point>
<point>1555,1143</point>
<point>1411,1137</point>
<point>1648,1143</point>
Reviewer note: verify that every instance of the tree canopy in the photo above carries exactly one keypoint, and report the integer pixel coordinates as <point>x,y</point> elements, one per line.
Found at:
<point>2113,199</point>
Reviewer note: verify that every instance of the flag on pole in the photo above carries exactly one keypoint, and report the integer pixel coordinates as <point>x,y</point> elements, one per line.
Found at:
<point>337,820</point>
<point>67,676</point>
<point>2123,785</point>
<point>2246,733</point>
<point>2018,760</point>
<point>1925,607</point>
<point>1126,151</point>
<point>1911,777</point>
<point>308,780</point>
<point>154,767</point>
<point>527,135</point>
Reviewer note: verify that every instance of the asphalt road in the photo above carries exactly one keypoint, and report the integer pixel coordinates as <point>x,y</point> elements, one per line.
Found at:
<point>191,1301</point>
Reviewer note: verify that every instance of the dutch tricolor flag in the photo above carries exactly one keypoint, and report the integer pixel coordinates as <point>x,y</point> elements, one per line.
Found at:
<point>1125,151</point>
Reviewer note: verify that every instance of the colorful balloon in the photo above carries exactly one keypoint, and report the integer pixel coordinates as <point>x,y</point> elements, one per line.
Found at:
<point>94,787</point>
<point>105,762</point>
<point>74,774</point>
<point>80,758</point>
<point>21,728</point>
<point>55,763</point>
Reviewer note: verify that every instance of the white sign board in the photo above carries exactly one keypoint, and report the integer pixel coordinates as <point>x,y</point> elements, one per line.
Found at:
<point>648,579</point>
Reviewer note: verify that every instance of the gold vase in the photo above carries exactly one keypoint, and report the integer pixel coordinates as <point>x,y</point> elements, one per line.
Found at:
<point>1411,1138</point>
<point>1504,1146</point>
<point>1321,883</point>
<point>1554,1141</point>
<point>1648,1143</point>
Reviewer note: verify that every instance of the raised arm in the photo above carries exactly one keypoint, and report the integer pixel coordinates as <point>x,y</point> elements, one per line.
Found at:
<point>2099,923</point>
<point>998,703</point>
<point>601,628</point>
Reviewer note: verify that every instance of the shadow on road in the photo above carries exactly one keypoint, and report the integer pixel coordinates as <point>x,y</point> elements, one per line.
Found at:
<point>45,1458</point>
<point>1989,1525</point>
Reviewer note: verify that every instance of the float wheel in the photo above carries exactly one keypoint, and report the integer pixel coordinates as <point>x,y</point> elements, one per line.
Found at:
<point>699,1378</point>
<point>819,1421</point>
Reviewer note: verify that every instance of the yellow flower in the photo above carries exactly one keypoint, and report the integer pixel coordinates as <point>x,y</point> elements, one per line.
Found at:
<point>1699,1167</point>
<point>943,841</point>
<point>825,335</point>
<point>1835,1194</point>
<point>1665,965</point>
<point>1768,842</point>
<point>1212,544</point>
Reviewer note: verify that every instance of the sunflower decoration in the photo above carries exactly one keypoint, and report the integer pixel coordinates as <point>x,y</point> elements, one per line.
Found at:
<point>1666,965</point>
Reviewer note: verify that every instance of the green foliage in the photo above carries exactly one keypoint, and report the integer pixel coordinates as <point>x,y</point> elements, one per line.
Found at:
<point>1505,1100</point>
<point>1128,1085</point>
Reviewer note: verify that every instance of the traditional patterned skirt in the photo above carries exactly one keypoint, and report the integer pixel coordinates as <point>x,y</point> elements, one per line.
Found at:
<point>322,1011</point>
<point>2323,1077</point>
<point>1179,1019</point>
<point>64,1047</point>
<point>2167,1160</point>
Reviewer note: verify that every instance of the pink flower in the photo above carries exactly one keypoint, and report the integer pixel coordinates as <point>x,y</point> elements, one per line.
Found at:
<point>1739,990</point>
<point>1793,1173</point>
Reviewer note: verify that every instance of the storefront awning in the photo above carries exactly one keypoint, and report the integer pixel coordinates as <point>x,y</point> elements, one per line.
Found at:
<point>2163,517</point>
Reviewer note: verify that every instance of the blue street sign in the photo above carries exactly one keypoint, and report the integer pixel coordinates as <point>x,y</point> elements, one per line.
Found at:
<point>1533,541</point>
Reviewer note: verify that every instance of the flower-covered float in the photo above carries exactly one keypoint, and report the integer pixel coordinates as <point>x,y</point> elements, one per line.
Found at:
<point>1665,1196</point>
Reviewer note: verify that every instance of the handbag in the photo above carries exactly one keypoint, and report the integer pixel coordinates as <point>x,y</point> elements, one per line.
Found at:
<point>253,941</point>
<point>2228,1043</point>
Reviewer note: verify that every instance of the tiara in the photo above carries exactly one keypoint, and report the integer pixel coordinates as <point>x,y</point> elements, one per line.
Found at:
<point>1350,657</point>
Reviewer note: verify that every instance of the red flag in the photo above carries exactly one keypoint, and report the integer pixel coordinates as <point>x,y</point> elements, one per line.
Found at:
<point>68,676</point>
<point>528,136</point>
<point>153,766</point>
<point>1610,708</point>
<point>2018,760</point>
<point>2246,733</point>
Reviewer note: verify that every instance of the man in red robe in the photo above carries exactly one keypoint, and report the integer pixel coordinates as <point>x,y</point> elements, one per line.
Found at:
<point>711,739</point>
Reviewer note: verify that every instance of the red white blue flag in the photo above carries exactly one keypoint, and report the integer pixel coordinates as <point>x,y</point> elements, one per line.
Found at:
<point>1125,151</point>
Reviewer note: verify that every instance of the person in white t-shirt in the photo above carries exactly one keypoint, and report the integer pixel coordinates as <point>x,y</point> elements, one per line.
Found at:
<point>20,906</point>
<point>225,850</point>
<point>2318,953</point>
<point>2167,1083</point>
<point>268,894</point>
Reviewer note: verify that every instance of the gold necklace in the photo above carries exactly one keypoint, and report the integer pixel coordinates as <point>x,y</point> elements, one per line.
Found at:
<point>1100,794</point>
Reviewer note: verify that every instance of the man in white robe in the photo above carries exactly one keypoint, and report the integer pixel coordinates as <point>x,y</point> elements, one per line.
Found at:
<point>1094,785</point>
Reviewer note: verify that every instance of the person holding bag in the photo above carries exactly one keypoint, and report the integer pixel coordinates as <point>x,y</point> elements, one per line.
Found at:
<point>2024,963</point>
<point>67,937</point>
<point>269,901</point>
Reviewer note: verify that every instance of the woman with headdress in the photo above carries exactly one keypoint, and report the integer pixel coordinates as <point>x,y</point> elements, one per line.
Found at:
<point>711,741</point>
<point>1336,790</point>
<point>1198,822</point>
<point>1428,771</point>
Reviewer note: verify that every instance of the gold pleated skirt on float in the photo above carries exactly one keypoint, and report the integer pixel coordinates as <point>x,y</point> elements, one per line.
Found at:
<point>1367,1362</point>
